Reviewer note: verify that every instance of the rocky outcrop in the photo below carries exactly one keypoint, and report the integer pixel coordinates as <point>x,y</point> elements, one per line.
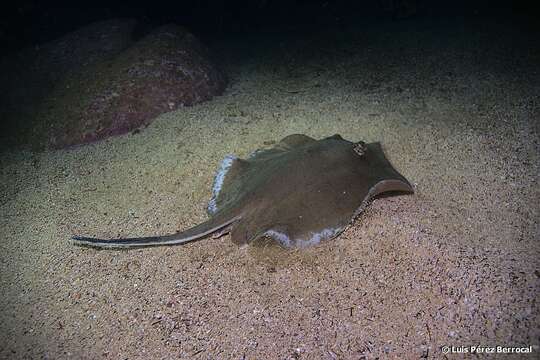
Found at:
<point>123,87</point>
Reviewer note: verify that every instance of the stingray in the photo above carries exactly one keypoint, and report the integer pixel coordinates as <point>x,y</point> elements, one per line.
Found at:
<point>299,192</point>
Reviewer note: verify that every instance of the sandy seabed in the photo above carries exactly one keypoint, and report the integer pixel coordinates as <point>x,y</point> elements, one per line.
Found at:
<point>456,107</point>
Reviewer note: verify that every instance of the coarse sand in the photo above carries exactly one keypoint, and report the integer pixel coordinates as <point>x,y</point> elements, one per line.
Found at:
<point>456,107</point>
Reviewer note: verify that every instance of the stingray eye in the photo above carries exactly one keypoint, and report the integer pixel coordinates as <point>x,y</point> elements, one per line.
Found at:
<point>360,148</point>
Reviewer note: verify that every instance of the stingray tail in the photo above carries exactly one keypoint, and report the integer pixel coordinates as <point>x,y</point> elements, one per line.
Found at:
<point>194,233</point>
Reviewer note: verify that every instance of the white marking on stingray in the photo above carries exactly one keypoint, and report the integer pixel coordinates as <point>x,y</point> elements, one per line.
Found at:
<point>218,182</point>
<point>279,236</point>
<point>252,154</point>
<point>315,237</point>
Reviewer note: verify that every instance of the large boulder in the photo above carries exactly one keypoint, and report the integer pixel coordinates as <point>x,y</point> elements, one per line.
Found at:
<point>166,69</point>
<point>30,76</point>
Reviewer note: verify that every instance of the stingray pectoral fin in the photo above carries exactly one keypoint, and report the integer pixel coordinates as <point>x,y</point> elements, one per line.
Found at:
<point>386,177</point>
<point>197,232</point>
<point>391,185</point>
<point>295,141</point>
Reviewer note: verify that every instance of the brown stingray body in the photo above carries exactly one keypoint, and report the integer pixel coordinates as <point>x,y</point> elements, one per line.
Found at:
<point>299,192</point>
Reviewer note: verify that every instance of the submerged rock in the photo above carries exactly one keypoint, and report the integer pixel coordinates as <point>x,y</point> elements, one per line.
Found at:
<point>126,89</point>
<point>30,77</point>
